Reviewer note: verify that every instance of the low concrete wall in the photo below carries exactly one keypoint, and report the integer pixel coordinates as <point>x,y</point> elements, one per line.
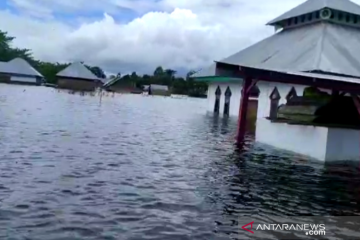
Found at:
<point>322,143</point>
<point>306,140</point>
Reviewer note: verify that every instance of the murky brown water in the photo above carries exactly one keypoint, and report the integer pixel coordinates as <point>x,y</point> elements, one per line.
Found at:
<point>136,167</point>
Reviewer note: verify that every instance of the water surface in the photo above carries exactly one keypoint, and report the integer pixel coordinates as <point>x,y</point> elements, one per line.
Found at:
<point>139,167</point>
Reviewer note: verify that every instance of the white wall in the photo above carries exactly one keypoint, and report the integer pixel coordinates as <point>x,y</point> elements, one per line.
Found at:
<point>234,101</point>
<point>23,79</point>
<point>343,144</point>
<point>306,140</point>
<point>321,143</point>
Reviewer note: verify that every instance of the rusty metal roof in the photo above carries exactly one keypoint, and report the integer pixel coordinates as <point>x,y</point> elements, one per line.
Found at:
<point>315,5</point>
<point>322,46</point>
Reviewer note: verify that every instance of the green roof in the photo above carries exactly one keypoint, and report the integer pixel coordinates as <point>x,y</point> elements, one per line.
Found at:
<point>216,79</point>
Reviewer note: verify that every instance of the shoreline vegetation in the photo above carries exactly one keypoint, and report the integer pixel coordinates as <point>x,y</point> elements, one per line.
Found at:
<point>161,76</point>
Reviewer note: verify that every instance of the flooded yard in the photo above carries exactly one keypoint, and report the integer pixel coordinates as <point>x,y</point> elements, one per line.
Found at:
<point>140,167</point>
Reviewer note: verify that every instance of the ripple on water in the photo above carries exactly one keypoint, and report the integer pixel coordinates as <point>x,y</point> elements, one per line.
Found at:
<point>136,167</point>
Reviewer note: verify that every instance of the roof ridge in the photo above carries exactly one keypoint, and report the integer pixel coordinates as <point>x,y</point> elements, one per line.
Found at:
<point>320,46</point>
<point>310,6</point>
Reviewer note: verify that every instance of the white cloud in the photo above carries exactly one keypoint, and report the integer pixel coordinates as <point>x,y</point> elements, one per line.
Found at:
<point>182,34</point>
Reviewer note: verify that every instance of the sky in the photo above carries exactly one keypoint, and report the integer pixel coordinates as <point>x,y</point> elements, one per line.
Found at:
<point>139,35</point>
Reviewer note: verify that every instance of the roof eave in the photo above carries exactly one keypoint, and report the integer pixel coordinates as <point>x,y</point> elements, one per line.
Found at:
<point>78,78</point>
<point>21,74</point>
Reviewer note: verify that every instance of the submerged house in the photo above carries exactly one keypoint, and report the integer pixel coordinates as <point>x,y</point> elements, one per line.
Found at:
<point>19,71</point>
<point>120,85</point>
<point>78,77</point>
<point>316,47</point>
<point>161,90</point>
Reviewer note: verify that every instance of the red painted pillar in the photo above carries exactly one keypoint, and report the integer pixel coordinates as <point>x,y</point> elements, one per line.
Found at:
<point>243,110</point>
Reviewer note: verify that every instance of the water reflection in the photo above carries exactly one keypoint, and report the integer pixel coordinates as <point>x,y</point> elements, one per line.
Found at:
<point>137,167</point>
<point>260,184</point>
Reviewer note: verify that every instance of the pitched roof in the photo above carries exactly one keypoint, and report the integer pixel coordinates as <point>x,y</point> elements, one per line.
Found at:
<point>315,5</point>
<point>19,66</point>
<point>112,81</point>
<point>77,70</point>
<point>315,47</point>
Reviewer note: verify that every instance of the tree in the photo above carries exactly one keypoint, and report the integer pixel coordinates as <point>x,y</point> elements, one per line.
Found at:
<point>5,41</point>
<point>49,70</point>
<point>134,76</point>
<point>189,74</point>
<point>159,72</point>
<point>170,73</point>
<point>97,71</point>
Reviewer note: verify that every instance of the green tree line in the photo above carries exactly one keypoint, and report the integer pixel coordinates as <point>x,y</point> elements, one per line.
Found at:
<point>179,85</point>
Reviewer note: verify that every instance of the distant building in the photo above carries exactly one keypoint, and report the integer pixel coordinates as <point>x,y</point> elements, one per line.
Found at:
<point>19,71</point>
<point>120,85</point>
<point>78,77</point>
<point>161,90</point>
<point>146,88</point>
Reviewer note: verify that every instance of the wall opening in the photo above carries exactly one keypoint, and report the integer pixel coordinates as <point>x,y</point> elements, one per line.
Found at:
<point>227,101</point>
<point>217,100</point>
<point>274,103</point>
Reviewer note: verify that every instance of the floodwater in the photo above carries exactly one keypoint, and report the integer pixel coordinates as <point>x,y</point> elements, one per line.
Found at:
<point>140,167</point>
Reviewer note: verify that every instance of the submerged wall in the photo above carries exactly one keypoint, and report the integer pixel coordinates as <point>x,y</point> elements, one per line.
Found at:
<point>307,140</point>
<point>321,143</point>
<point>76,84</point>
<point>24,80</point>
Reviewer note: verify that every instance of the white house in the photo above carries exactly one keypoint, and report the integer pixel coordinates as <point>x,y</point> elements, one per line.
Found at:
<point>19,71</point>
<point>317,39</point>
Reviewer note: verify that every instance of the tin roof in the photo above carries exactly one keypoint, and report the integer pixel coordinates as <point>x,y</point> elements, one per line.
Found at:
<point>315,5</point>
<point>111,81</point>
<point>19,66</point>
<point>319,76</point>
<point>318,46</point>
<point>77,70</point>
<point>314,47</point>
